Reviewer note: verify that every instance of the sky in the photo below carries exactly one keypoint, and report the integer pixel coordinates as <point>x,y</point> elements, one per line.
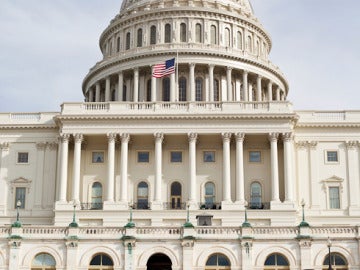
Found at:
<point>48,46</point>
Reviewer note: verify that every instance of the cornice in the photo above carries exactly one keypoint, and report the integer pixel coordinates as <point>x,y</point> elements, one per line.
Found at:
<point>25,126</point>
<point>328,125</point>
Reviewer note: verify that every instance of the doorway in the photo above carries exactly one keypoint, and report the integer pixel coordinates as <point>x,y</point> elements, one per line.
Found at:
<point>159,261</point>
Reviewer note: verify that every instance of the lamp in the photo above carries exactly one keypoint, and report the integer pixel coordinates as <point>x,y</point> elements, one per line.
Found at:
<point>246,223</point>
<point>73,224</point>
<point>188,224</point>
<point>329,244</point>
<point>303,223</point>
<point>17,223</point>
<point>130,224</point>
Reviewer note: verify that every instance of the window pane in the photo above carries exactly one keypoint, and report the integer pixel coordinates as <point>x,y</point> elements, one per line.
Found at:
<point>213,39</point>
<point>182,89</point>
<point>339,260</point>
<point>153,35</point>
<point>199,90</point>
<point>270,260</point>
<point>127,41</point>
<point>239,40</point>
<point>255,156</point>
<point>106,260</point>
<point>209,189</point>
<point>227,37</point>
<point>166,89</point>
<point>23,157</point>
<point>281,260</point>
<point>212,260</point>
<point>44,259</point>
<point>176,189</point>
<point>332,156</point>
<point>97,157</point>
<point>216,90</point>
<point>183,32</point>
<point>96,260</point>
<point>143,157</point>
<point>167,33</point>
<point>198,36</point>
<point>176,156</point>
<point>20,194</point>
<point>209,156</point>
<point>334,197</point>
<point>139,37</point>
<point>223,261</point>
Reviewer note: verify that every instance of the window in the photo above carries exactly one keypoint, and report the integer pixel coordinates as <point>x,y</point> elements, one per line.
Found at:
<point>113,95</point>
<point>166,89</point>
<point>213,35</point>
<point>217,262</point>
<point>167,33</point>
<point>124,96</point>
<point>23,157</point>
<point>209,156</point>
<point>127,46</point>
<point>101,262</point>
<point>118,44</point>
<point>148,90</point>
<point>43,261</point>
<point>276,262</point>
<point>96,196</point>
<point>183,32</point>
<point>255,156</point>
<point>209,195</point>
<point>176,156</point>
<point>332,156</point>
<point>198,89</point>
<point>139,37</point>
<point>239,40</point>
<point>338,262</point>
<point>110,48</point>
<point>182,89</point>
<point>143,196</point>
<point>143,157</point>
<point>255,196</point>
<point>97,157</point>
<point>227,37</point>
<point>175,195</point>
<point>20,195</point>
<point>216,90</point>
<point>152,35</point>
<point>198,33</point>
<point>334,198</point>
<point>249,44</point>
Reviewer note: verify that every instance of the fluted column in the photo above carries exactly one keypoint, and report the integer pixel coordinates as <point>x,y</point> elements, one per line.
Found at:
<point>258,88</point>
<point>97,92</point>
<point>159,137</point>
<point>172,87</point>
<point>125,137</point>
<point>136,85</point>
<point>240,182</point>
<point>107,90</point>
<point>273,137</point>
<point>111,167</point>
<point>153,86</point>
<point>91,95</point>
<point>211,83</point>
<point>192,167</point>
<point>229,83</point>
<point>120,86</point>
<point>192,82</point>
<point>353,176</point>
<point>245,86</point>
<point>226,137</point>
<point>288,166</point>
<point>270,91</point>
<point>78,138</point>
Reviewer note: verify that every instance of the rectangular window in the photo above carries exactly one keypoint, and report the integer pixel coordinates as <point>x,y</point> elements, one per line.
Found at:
<point>255,156</point>
<point>97,157</point>
<point>23,157</point>
<point>176,156</point>
<point>332,156</point>
<point>334,198</point>
<point>209,156</point>
<point>143,157</point>
<point>20,193</point>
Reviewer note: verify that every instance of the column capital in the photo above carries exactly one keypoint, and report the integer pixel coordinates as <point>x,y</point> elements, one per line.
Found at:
<point>64,137</point>
<point>351,145</point>
<point>4,146</point>
<point>120,73</point>
<point>159,136</point>
<point>211,66</point>
<point>313,145</point>
<point>273,137</point>
<point>78,137</point>
<point>302,144</point>
<point>245,72</point>
<point>111,137</point>
<point>288,136</point>
<point>192,136</point>
<point>229,68</point>
<point>259,77</point>
<point>240,136</point>
<point>41,146</point>
<point>136,69</point>
<point>52,145</point>
<point>192,65</point>
<point>226,136</point>
<point>125,137</point>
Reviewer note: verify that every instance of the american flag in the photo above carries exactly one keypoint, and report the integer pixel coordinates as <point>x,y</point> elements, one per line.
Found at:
<point>164,68</point>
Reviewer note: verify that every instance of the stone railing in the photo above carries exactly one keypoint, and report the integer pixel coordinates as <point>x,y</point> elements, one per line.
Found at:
<point>101,232</point>
<point>27,118</point>
<point>334,232</point>
<point>308,117</point>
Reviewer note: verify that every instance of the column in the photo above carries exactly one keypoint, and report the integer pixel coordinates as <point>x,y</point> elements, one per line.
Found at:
<point>314,175</point>
<point>229,83</point>
<point>64,167</point>
<point>270,91</point>
<point>258,88</point>
<point>172,87</point>
<point>353,176</point>
<point>120,86</point>
<point>226,137</point>
<point>288,166</point>
<point>245,86</point>
<point>136,85</point>
<point>111,167</point>
<point>125,138</point>
<point>107,90</point>
<point>78,138</point>
<point>192,168</point>
<point>192,82</point>
<point>97,92</point>
<point>4,150</point>
<point>14,252</point>
<point>39,184</point>
<point>273,137</point>
<point>91,95</point>
<point>211,83</point>
<point>278,93</point>
<point>159,137</point>
<point>240,182</point>
<point>153,87</point>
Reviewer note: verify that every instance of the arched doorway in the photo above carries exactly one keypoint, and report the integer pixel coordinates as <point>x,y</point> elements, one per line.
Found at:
<point>159,261</point>
<point>218,262</point>
<point>338,262</point>
<point>43,261</point>
<point>101,262</point>
<point>175,195</point>
<point>276,261</point>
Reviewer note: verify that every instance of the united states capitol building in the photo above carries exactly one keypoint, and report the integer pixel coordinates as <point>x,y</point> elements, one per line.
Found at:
<point>206,168</point>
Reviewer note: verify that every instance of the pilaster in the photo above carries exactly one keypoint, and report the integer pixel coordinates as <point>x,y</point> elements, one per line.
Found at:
<point>240,179</point>
<point>4,153</point>
<point>109,201</point>
<point>125,138</point>
<point>353,176</point>
<point>275,200</point>
<point>157,203</point>
<point>192,137</point>
<point>226,137</point>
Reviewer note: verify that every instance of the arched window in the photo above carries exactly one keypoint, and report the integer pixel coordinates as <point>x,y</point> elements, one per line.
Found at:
<point>217,262</point>
<point>118,44</point>
<point>227,37</point>
<point>198,33</point>
<point>127,46</point>
<point>213,35</point>
<point>276,262</point>
<point>152,35</point>
<point>239,40</point>
<point>110,48</point>
<point>139,37</point>
<point>167,33</point>
<point>143,196</point>
<point>101,262</point>
<point>43,261</point>
<point>249,44</point>
<point>216,90</point>
<point>258,48</point>
<point>182,89</point>
<point>338,262</point>
<point>166,89</point>
<point>96,196</point>
<point>209,195</point>
<point>198,89</point>
<point>148,90</point>
<point>183,32</point>
<point>255,196</point>
<point>175,195</point>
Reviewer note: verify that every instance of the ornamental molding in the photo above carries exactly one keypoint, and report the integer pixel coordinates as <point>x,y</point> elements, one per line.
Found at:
<point>20,182</point>
<point>25,126</point>
<point>329,125</point>
<point>351,145</point>
<point>302,144</point>
<point>4,146</point>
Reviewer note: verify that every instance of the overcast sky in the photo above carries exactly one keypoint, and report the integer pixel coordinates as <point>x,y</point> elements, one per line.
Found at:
<point>48,46</point>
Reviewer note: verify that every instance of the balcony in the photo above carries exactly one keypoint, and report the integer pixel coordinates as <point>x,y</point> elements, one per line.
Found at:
<point>174,205</point>
<point>212,206</point>
<point>259,206</point>
<point>91,206</point>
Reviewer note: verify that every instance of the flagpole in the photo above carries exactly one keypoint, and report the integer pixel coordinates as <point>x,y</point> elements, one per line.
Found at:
<point>177,76</point>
